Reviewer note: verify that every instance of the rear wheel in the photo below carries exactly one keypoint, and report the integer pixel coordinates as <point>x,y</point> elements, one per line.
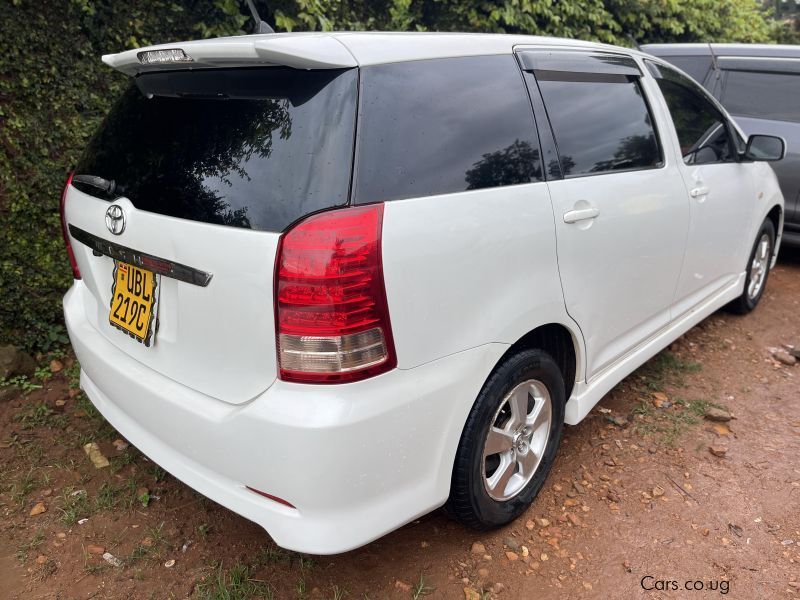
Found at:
<point>757,270</point>
<point>509,442</point>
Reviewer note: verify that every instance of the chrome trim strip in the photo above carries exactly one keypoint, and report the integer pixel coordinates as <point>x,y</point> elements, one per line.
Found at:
<point>162,266</point>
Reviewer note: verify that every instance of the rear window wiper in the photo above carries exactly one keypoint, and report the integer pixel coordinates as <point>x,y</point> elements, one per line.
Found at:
<point>108,186</point>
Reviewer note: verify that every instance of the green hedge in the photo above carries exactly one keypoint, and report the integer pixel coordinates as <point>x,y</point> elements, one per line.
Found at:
<point>54,90</point>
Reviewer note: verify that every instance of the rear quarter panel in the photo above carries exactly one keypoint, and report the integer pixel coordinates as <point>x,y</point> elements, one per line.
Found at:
<point>471,268</point>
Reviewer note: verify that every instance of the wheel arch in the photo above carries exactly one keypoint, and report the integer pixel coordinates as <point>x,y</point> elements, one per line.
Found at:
<point>560,342</point>
<point>775,215</point>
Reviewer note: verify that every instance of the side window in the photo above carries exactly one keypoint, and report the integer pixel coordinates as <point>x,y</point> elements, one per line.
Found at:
<point>765,95</point>
<point>601,122</point>
<point>702,129</point>
<point>442,126</point>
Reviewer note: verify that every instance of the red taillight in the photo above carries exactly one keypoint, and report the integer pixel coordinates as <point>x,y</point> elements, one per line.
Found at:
<point>76,273</point>
<point>332,320</point>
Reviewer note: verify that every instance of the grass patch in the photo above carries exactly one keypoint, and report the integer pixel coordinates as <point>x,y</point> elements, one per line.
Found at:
<point>420,588</point>
<point>665,369</point>
<point>202,531</point>
<point>24,550</point>
<point>673,422</point>
<point>75,506</point>
<point>41,415</point>
<point>236,583</point>
<point>21,382</point>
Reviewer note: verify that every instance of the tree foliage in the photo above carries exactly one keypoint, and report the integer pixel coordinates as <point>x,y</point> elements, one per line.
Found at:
<point>54,90</point>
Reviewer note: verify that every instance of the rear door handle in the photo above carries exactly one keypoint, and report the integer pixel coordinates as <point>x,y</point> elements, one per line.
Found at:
<point>573,216</point>
<point>699,191</point>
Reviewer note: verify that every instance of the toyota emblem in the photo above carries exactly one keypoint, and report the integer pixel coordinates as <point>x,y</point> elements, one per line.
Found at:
<point>115,219</point>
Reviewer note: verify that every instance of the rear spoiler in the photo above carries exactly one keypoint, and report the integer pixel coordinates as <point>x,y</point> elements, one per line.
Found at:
<point>300,51</point>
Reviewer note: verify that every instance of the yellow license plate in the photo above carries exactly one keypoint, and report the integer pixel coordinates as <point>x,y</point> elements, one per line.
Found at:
<point>132,300</point>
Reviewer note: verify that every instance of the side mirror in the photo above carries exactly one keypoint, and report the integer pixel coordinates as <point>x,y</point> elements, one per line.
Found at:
<point>765,147</point>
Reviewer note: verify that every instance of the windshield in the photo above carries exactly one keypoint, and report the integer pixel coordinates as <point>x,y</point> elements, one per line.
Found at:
<point>254,148</point>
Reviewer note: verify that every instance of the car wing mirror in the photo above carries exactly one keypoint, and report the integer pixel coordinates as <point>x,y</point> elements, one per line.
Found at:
<point>765,148</point>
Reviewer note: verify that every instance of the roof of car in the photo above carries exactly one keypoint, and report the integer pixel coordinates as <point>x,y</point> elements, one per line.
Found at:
<point>338,49</point>
<point>754,50</point>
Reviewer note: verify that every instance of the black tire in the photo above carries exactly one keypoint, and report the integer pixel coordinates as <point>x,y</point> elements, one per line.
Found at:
<point>746,303</point>
<point>469,501</point>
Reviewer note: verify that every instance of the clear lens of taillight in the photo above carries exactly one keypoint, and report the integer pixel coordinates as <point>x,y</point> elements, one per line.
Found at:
<point>76,273</point>
<point>332,319</point>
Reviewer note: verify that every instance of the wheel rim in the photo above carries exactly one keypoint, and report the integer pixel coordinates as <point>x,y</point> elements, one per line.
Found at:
<point>759,267</point>
<point>516,440</point>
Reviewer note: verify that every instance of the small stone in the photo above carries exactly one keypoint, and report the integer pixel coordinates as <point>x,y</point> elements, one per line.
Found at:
<point>705,531</point>
<point>530,525</point>
<point>735,529</point>
<point>402,585</point>
<point>512,556</point>
<point>469,594</point>
<point>41,559</point>
<point>587,585</point>
<point>83,521</point>
<point>605,477</point>
<point>112,560</point>
<point>60,402</point>
<point>543,557</point>
<point>483,573</point>
<point>61,535</point>
<point>94,549</point>
<point>56,366</point>
<point>784,357</point>
<point>719,451</point>
<point>38,509</point>
<point>787,542</point>
<point>610,462</point>
<point>15,362</point>
<point>578,487</point>
<point>721,429</point>
<point>423,544</point>
<point>92,450</point>
<point>543,522</point>
<point>574,519</point>
<point>612,496</point>
<point>658,491</point>
<point>478,548</point>
<point>512,543</point>
<point>120,445</point>
<point>170,563</point>
<point>712,413</point>
<point>147,542</point>
<point>525,552</point>
<point>618,420</point>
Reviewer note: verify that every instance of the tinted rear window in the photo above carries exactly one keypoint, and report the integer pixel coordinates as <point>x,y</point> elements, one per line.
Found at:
<point>442,126</point>
<point>765,95</point>
<point>254,148</point>
<point>601,123</point>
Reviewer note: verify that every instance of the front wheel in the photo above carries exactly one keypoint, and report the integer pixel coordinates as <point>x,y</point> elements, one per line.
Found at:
<point>509,442</point>
<point>757,270</point>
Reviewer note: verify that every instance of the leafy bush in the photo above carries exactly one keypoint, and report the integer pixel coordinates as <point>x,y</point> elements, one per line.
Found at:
<point>54,90</point>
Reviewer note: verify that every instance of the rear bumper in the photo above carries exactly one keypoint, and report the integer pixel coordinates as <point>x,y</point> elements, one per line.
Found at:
<point>356,460</point>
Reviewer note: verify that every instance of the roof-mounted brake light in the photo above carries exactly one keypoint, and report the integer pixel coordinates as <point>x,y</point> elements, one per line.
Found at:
<point>171,55</point>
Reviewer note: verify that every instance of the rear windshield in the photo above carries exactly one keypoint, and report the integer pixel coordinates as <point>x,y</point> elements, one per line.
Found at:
<point>253,148</point>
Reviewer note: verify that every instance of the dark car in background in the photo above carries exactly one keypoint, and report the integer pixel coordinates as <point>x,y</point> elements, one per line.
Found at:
<point>759,85</point>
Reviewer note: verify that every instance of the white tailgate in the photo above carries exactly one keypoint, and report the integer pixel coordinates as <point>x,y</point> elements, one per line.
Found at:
<point>219,339</point>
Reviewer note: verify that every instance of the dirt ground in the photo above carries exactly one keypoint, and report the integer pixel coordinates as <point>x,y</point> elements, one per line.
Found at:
<point>637,505</point>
